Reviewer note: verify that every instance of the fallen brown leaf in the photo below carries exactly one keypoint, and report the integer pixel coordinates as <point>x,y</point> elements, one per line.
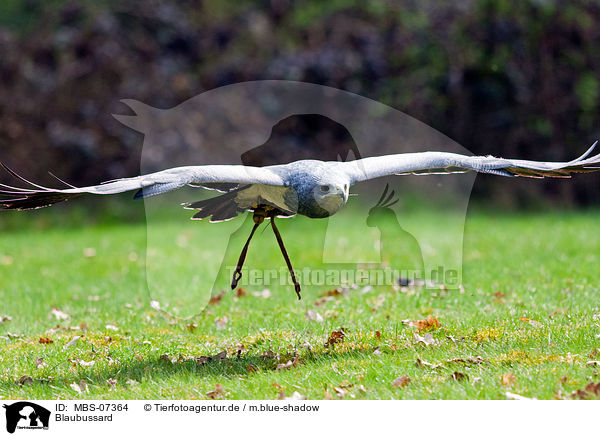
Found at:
<point>269,354</point>
<point>45,341</point>
<point>508,379</point>
<point>420,363</point>
<point>401,382</point>
<point>217,357</point>
<point>216,299</point>
<point>531,322</point>
<point>25,380</point>
<point>477,360</point>
<point>337,292</point>
<point>459,376</point>
<point>240,292</point>
<point>591,390</point>
<point>323,300</point>
<point>426,324</point>
<point>336,337</point>
<point>377,334</point>
<point>288,364</point>
<point>217,393</point>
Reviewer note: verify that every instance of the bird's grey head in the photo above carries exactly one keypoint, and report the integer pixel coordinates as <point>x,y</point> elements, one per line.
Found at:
<point>321,191</point>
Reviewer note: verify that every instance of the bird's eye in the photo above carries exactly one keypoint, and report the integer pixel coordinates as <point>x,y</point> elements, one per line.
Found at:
<point>324,188</point>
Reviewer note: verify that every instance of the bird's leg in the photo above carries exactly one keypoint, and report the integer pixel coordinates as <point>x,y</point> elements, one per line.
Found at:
<point>285,256</point>
<point>258,217</point>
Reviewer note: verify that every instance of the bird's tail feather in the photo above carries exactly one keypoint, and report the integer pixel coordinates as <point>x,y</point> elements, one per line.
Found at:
<point>219,208</point>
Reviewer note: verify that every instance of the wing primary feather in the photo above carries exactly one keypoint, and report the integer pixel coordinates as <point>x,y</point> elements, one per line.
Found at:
<point>22,178</point>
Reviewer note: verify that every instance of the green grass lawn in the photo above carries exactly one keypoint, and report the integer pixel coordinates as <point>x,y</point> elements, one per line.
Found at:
<point>527,320</point>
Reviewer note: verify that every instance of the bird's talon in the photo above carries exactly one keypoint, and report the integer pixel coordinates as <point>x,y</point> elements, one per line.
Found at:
<point>237,275</point>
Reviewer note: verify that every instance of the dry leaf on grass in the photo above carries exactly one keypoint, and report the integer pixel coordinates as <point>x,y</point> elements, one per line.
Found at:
<point>420,363</point>
<point>531,322</point>
<point>216,299</point>
<point>80,387</point>
<point>45,341</point>
<point>295,396</point>
<point>72,341</point>
<point>288,364</point>
<point>591,390</point>
<point>426,324</point>
<point>25,380</point>
<point>81,362</point>
<point>401,382</point>
<point>240,292</point>
<point>476,360</point>
<point>59,314</point>
<point>217,357</point>
<point>512,396</point>
<point>311,315</point>
<point>89,252</point>
<point>459,376</point>
<point>221,323</point>
<point>322,300</point>
<point>269,354</point>
<point>336,337</point>
<point>335,292</point>
<point>217,393</point>
<point>425,340</point>
<point>508,379</point>
<point>265,293</point>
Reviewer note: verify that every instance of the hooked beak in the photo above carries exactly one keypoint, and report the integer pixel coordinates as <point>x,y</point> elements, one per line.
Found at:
<point>339,191</point>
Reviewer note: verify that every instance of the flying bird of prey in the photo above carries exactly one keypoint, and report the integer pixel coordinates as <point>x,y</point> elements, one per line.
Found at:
<point>314,188</point>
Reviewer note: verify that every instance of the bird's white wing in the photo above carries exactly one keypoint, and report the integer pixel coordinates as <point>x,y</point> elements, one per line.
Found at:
<point>36,196</point>
<point>434,162</point>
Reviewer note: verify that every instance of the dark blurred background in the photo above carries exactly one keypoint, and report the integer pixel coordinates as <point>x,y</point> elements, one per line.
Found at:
<point>515,79</point>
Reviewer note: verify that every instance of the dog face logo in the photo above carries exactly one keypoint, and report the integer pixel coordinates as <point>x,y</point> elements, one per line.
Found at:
<point>26,415</point>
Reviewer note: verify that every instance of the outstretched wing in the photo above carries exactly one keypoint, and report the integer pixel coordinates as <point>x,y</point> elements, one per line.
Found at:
<point>434,162</point>
<point>36,196</point>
